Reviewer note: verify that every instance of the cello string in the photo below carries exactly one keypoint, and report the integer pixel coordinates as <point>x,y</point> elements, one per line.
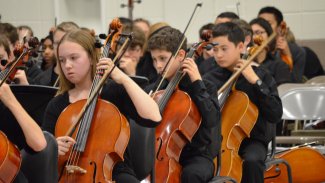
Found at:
<point>85,124</point>
<point>168,91</point>
<point>177,77</point>
<point>86,119</point>
<point>98,84</point>
<point>74,156</point>
<point>86,127</point>
<point>82,132</point>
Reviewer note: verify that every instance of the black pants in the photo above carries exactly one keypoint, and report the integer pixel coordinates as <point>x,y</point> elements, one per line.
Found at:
<point>197,170</point>
<point>123,173</point>
<point>40,167</point>
<point>126,178</point>
<point>253,153</point>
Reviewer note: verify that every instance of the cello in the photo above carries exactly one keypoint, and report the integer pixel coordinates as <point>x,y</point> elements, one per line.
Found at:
<point>182,123</point>
<point>306,165</point>
<point>282,32</point>
<point>181,119</point>
<point>101,131</point>
<point>10,159</point>
<point>235,128</point>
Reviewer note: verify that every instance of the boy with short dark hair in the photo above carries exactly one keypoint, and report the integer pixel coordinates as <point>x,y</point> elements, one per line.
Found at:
<point>197,156</point>
<point>261,90</point>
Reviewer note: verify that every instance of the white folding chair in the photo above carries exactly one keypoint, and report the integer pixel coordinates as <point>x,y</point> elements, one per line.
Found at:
<point>304,103</point>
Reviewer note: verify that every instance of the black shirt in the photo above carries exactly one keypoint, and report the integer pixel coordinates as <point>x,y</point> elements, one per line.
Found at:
<point>113,93</point>
<point>313,66</point>
<point>278,69</point>
<point>206,141</point>
<point>206,65</point>
<point>299,61</point>
<point>47,77</point>
<point>265,97</point>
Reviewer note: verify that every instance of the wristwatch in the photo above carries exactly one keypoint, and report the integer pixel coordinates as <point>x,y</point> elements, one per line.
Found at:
<point>259,82</point>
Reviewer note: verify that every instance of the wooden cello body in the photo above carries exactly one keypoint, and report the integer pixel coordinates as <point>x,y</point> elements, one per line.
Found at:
<point>10,159</point>
<point>101,132</point>
<point>181,120</point>
<point>107,140</point>
<point>307,165</point>
<point>239,115</point>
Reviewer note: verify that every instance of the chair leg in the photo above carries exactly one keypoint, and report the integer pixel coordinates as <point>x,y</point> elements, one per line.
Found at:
<point>279,161</point>
<point>288,171</point>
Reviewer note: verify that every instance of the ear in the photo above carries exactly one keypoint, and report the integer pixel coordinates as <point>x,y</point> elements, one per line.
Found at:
<point>181,55</point>
<point>248,39</point>
<point>241,47</point>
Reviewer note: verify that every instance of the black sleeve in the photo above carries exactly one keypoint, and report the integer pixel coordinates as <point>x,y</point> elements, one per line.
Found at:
<point>270,106</point>
<point>117,95</point>
<point>299,61</point>
<point>206,103</point>
<point>282,73</point>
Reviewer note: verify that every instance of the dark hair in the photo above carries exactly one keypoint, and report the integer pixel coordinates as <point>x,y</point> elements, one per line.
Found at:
<point>263,23</point>
<point>208,26</point>
<point>5,43</point>
<point>167,39</point>
<point>50,37</point>
<point>244,25</point>
<point>142,20</point>
<point>126,21</point>
<point>267,27</point>
<point>274,11</point>
<point>10,32</point>
<point>233,31</point>
<point>228,14</point>
<point>138,36</point>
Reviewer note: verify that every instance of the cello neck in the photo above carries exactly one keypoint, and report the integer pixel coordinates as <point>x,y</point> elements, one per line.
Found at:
<point>222,97</point>
<point>172,85</point>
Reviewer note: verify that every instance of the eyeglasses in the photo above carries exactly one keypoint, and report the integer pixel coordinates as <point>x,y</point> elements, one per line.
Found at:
<point>258,32</point>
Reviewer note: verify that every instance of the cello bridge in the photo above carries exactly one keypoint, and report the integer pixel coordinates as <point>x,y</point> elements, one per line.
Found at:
<point>75,169</point>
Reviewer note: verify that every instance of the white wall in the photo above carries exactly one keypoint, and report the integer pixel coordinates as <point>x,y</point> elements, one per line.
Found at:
<point>304,17</point>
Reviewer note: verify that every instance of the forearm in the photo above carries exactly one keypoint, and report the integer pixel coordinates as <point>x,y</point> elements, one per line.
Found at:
<point>32,132</point>
<point>146,107</point>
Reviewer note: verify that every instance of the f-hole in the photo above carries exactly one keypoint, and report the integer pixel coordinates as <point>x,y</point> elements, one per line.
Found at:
<point>160,141</point>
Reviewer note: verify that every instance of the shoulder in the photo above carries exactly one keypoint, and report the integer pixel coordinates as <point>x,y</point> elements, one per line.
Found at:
<point>44,77</point>
<point>261,72</point>
<point>217,75</point>
<point>59,100</point>
<point>295,49</point>
<point>111,90</point>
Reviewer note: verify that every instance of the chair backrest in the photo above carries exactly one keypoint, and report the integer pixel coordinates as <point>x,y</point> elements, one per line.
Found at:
<point>316,80</point>
<point>304,103</point>
<point>285,88</point>
<point>142,149</point>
